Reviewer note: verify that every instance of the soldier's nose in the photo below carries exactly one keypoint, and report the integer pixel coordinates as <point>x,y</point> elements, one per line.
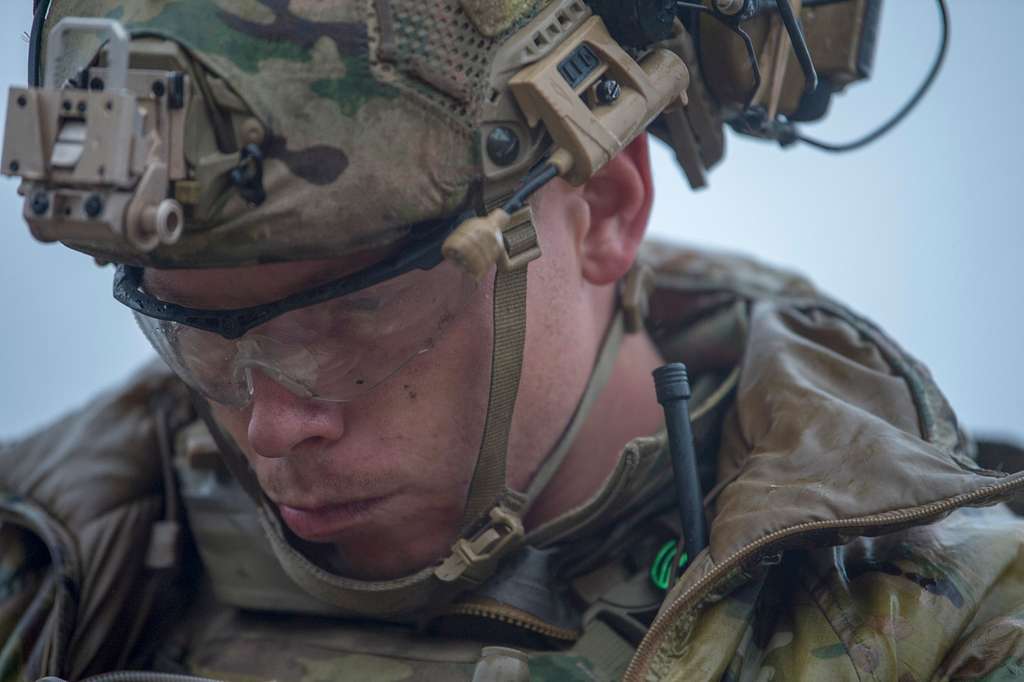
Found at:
<point>283,424</point>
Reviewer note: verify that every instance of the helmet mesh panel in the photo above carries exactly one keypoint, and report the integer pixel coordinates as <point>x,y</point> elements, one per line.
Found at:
<point>433,50</point>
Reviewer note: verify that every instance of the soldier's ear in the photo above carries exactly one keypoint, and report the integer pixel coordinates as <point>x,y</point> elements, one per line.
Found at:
<point>619,199</point>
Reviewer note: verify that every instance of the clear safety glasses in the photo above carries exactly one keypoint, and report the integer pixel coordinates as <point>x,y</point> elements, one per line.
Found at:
<point>333,342</point>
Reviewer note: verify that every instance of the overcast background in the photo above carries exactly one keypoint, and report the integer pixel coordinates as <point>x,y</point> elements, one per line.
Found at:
<point>919,232</point>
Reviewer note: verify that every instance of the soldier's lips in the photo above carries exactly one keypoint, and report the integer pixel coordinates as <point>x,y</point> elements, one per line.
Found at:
<point>328,521</point>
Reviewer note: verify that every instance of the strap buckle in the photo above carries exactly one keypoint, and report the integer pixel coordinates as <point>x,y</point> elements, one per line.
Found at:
<point>510,242</point>
<point>473,559</point>
<point>519,242</point>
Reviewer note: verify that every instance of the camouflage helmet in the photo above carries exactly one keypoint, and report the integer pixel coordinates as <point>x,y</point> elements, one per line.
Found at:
<point>308,129</point>
<point>366,114</point>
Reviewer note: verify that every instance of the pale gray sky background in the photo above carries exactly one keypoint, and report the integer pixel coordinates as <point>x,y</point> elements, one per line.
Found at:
<point>919,232</point>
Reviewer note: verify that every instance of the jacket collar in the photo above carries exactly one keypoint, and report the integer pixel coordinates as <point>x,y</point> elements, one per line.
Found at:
<point>830,418</point>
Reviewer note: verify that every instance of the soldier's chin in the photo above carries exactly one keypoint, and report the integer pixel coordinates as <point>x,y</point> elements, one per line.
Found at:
<point>329,523</point>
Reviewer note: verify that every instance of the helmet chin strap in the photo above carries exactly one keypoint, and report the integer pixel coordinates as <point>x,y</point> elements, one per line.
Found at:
<point>492,524</point>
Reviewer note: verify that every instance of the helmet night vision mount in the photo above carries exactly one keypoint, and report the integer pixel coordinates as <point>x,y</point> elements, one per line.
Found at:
<point>98,155</point>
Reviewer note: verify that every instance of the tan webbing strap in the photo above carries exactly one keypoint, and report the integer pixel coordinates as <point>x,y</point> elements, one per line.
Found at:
<point>488,483</point>
<point>603,366</point>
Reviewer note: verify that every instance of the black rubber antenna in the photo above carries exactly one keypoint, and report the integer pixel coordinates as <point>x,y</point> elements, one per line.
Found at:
<point>673,390</point>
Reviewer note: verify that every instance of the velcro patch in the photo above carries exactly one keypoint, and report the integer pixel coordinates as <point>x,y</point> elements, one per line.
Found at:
<point>491,17</point>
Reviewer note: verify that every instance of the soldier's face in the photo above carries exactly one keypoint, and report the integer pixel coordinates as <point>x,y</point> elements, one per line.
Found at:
<point>380,482</point>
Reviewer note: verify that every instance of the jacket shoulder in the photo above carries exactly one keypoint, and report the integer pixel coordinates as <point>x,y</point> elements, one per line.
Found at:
<point>100,456</point>
<point>940,601</point>
<point>685,268</point>
<point>88,529</point>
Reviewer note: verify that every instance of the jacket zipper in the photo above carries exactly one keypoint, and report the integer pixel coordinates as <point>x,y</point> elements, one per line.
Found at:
<point>704,585</point>
<point>514,617</point>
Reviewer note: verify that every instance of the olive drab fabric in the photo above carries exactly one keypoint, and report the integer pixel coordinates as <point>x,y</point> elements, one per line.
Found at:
<point>80,502</point>
<point>369,110</point>
<point>853,536</point>
<point>941,601</point>
<point>835,433</point>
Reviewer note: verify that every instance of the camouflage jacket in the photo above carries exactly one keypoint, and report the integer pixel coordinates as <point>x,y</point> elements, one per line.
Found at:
<point>846,540</point>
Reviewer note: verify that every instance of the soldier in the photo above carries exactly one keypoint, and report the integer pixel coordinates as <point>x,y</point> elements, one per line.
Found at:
<point>390,254</point>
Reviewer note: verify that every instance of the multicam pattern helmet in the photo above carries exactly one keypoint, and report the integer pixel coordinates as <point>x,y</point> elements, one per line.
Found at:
<point>309,128</point>
<point>365,113</point>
